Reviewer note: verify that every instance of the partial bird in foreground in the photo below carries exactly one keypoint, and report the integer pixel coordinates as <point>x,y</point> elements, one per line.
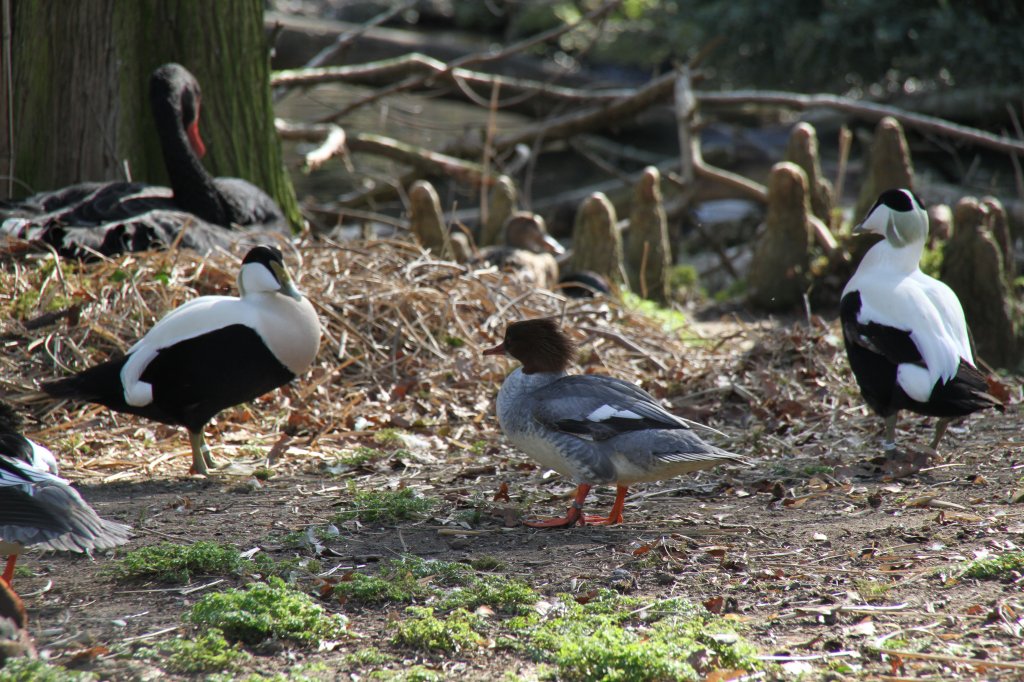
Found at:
<point>111,217</point>
<point>209,354</point>
<point>905,332</point>
<point>39,509</point>
<point>593,429</point>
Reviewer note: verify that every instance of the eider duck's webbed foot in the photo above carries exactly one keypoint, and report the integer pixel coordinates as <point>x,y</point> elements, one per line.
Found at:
<point>940,431</point>
<point>202,458</point>
<point>889,435</point>
<point>615,515</point>
<point>573,516</point>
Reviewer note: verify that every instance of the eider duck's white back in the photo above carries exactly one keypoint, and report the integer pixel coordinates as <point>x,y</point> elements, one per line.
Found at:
<point>593,429</point>
<point>905,332</point>
<point>209,354</point>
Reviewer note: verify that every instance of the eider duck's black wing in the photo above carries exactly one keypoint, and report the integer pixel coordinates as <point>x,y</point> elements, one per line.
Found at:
<point>196,378</point>
<point>895,345</point>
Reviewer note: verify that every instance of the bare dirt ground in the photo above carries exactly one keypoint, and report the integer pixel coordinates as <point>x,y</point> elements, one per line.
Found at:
<point>833,560</point>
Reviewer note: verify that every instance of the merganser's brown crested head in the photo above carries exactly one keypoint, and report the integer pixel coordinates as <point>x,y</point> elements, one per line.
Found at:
<point>539,344</point>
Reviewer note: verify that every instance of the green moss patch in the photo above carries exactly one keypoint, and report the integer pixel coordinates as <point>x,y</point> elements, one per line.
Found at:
<point>209,652</point>
<point>1004,567</point>
<point>171,563</point>
<point>385,506</point>
<point>28,670</point>
<point>616,638</point>
<point>423,631</point>
<point>264,610</point>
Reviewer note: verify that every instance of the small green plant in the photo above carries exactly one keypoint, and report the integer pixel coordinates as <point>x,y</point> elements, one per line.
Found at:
<point>170,563</point>
<point>207,653</point>
<point>488,563</point>
<point>996,568</point>
<point>385,506</point>
<point>285,569</point>
<point>497,592</point>
<point>417,673</point>
<point>403,580</point>
<point>425,632</point>
<point>871,590</point>
<point>370,655</point>
<point>34,670</point>
<point>354,458</point>
<point>263,610</point>
<point>670,319</point>
<point>387,437</point>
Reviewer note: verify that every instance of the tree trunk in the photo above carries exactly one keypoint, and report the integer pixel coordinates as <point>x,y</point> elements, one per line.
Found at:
<point>80,92</point>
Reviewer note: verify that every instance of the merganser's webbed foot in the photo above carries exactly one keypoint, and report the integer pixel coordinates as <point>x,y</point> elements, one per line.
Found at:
<point>615,515</point>
<point>202,458</point>
<point>573,516</point>
<point>568,521</point>
<point>8,575</point>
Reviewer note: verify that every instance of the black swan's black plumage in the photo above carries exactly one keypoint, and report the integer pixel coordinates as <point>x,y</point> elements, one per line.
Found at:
<point>114,217</point>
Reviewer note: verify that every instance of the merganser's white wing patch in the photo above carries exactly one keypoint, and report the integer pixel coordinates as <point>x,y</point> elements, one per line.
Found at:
<point>598,407</point>
<point>606,412</point>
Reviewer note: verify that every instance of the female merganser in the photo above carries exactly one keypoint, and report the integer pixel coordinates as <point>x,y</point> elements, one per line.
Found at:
<point>905,332</point>
<point>209,354</point>
<point>528,249</point>
<point>593,429</point>
<point>39,509</point>
<point>114,216</point>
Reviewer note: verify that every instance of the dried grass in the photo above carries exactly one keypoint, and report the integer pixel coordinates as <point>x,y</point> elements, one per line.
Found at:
<point>402,339</point>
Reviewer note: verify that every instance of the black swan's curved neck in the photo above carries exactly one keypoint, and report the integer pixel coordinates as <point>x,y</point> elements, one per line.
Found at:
<point>175,98</point>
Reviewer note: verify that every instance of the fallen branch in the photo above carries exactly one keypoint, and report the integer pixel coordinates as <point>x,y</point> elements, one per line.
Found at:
<point>480,58</point>
<point>867,110</point>
<point>330,136</point>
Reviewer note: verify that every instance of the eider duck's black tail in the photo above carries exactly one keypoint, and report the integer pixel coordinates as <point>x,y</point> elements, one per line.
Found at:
<point>100,384</point>
<point>968,392</point>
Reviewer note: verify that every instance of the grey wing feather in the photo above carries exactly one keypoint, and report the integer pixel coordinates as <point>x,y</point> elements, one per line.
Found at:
<point>565,405</point>
<point>56,517</point>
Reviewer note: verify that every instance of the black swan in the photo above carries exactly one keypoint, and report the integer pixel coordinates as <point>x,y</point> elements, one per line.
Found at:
<point>113,217</point>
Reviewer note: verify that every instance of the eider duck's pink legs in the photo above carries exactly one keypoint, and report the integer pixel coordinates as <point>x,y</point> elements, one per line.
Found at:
<point>8,575</point>
<point>615,515</point>
<point>571,517</point>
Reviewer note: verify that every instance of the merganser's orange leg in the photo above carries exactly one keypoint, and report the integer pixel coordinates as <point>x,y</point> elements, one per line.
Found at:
<point>571,517</point>
<point>615,515</point>
<point>8,575</point>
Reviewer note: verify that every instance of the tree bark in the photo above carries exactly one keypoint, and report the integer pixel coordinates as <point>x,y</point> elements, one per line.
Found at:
<point>80,92</point>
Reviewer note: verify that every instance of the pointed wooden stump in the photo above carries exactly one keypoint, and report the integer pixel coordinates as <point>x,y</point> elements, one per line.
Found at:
<point>779,271</point>
<point>648,255</point>
<point>972,266</point>
<point>889,167</point>
<point>940,224</point>
<point>500,205</point>
<point>1000,227</point>
<point>427,221</point>
<point>803,151</point>
<point>596,242</point>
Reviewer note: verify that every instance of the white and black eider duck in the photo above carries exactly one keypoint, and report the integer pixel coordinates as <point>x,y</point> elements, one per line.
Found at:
<point>209,354</point>
<point>593,429</point>
<point>111,217</point>
<point>39,509</point>
<point>905,332</point>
